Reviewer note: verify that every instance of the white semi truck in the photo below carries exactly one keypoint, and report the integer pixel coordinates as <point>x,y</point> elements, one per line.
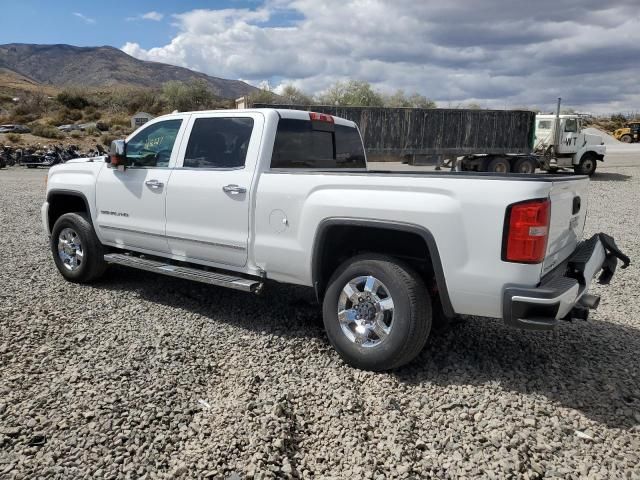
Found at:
<point>559,143</point>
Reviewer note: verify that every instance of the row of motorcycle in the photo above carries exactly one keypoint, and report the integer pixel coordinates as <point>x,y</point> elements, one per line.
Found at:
<point>44,156</point>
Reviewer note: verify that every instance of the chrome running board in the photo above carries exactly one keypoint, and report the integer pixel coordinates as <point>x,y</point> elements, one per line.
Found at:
<point>189,273</point>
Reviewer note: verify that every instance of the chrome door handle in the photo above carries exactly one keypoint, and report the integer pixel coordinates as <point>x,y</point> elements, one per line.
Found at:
<point>154,184</point>
<point>234,189</point>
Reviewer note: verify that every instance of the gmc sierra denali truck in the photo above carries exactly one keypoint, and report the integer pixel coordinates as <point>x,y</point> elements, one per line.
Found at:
<point>240,198</point>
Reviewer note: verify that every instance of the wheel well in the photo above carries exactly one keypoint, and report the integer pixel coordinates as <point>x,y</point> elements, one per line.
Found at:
<point>61,203</point>
<point>595,155</point>
<point>336,243</point>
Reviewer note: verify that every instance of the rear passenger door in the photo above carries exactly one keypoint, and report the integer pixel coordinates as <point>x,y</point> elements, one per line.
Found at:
<point>209,193</point>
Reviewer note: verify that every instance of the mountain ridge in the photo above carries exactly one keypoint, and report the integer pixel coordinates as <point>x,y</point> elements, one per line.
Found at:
<point>66,65</point>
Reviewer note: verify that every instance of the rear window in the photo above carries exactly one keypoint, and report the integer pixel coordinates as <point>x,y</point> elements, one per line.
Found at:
<point>299,145</point>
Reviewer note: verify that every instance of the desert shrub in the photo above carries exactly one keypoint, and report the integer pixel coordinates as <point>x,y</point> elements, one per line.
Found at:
<point>45,131</point>
<point>76,134</point>
<point>66,116</point>
<point>91,114</point>
<point>13,137</point>
<point>72,99</point>
<point>107,138</point>
<point>92,131</point>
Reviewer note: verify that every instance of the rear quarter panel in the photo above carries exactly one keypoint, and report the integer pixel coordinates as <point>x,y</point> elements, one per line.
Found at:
<point>464,214</point>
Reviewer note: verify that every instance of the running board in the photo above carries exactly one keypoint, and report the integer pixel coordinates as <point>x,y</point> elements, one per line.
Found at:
<point>195,274</point>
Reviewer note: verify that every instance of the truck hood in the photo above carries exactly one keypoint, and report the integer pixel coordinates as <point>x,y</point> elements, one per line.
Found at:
<point>86,159</point>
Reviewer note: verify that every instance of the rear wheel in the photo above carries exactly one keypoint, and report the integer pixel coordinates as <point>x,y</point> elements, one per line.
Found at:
<point>499,165</point>
<point>377,312</point>
<point>626,138</point>
<point>76,250</point>
<point>587,165</point>
<point>524,165</point>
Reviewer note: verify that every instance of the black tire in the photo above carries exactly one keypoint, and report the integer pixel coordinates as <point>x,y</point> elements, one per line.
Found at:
<point>499,165</point>
<point>524,165</point>
<point>626,138</point>
<point>587,165</point>
<point>92,265</point>
<point>411,322</point>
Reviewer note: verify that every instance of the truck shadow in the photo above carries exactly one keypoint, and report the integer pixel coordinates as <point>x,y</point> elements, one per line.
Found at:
<point>610,177</point>
<point>592,367</point>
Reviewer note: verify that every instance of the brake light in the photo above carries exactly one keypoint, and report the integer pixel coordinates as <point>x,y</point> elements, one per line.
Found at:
<point>526,231</point>
<point>320,117</point>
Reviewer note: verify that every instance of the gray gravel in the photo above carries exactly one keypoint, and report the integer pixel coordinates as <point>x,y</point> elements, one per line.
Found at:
<point>141,376</point>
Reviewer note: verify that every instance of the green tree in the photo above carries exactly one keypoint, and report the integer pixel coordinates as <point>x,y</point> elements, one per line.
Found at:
<point>295,96</point>
<point>187,96</point>
<point>415,100</point>
<point>263,95</point>
<point>351,93</point>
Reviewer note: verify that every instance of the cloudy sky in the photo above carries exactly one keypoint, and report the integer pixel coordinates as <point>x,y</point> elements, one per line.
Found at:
<point>497,53</point>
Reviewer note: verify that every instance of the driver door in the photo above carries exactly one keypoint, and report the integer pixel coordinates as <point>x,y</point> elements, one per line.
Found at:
<point>131,202</point>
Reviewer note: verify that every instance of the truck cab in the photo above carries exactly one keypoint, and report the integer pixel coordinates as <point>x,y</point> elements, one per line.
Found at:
<point>562,142</point>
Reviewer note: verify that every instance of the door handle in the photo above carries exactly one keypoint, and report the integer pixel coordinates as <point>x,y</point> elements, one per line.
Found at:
<point>154,184</point>
<point>234,189</point>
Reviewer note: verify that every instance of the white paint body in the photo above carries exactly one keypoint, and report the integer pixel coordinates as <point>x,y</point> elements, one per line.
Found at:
<point>573,144</point>
<point>271,228</point>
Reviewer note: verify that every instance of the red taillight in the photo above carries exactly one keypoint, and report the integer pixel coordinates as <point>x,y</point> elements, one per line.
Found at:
<point>320,117</point>
<point>526,231</point>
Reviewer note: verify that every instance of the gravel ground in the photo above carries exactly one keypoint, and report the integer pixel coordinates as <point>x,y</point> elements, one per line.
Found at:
<point>141,376</point>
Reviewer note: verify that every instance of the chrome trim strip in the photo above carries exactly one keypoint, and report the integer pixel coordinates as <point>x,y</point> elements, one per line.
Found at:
<point>141,232</point>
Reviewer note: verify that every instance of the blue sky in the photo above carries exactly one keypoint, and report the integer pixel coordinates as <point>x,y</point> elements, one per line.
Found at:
<point>101,23</point>
<point>495,53</point>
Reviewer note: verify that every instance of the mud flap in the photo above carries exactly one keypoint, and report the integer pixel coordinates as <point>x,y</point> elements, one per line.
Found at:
<point>611,261</point>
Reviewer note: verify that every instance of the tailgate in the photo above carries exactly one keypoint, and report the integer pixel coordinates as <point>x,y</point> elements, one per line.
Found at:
<point>568,214</point>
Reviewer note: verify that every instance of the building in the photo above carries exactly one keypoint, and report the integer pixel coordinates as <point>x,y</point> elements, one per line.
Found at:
<point>140,119</point>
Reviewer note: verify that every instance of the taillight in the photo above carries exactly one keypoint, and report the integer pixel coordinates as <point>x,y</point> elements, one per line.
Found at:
<point>526,231</point>
<point>320,117</point>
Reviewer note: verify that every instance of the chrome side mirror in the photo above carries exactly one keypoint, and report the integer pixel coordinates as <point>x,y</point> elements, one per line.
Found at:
<point>117,154</point>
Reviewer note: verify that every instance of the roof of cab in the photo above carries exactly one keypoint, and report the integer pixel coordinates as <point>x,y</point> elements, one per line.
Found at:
<point>282,112</point>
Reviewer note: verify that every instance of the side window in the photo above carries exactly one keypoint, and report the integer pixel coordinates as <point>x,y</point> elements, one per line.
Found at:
<point>299,145</point>
<point>544,124</point>
<point>571,125</point>
<point>218,143</point>
<point>152,146</point>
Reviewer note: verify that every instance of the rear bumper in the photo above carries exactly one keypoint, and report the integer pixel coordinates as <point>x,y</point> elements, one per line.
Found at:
<point>561,293</point>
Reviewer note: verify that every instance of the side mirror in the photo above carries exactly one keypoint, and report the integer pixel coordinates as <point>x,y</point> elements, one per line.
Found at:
<point>117,154</point>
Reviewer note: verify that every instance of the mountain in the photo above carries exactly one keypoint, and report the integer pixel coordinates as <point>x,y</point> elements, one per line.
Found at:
<point>67,65</point>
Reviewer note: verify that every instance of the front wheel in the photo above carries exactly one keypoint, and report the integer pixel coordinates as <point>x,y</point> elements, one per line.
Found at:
<point>626,138</point>
<point>76,250</point>
<point>587,165</point>
<point>377,312</point>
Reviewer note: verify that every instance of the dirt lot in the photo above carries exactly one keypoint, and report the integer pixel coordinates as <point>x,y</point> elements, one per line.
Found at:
<point>140,376</point>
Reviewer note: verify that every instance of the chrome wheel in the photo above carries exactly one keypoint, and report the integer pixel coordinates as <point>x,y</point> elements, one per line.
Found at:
<point>365,311</point>
<point>70,249</point>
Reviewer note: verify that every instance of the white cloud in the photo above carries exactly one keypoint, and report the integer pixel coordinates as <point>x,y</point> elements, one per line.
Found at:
<point>84,18</point>
<point>153,15</point>
<point>526,53</point>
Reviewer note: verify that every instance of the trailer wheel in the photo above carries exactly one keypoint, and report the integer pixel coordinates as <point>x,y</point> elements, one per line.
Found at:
<point>499,165</point>
<point>524,165</point>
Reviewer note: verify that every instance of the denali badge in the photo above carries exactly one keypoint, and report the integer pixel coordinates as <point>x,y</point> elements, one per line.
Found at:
<point>117,214</point>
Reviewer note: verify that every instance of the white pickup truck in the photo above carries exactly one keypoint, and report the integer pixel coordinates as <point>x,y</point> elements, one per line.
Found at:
<point>244,197</point>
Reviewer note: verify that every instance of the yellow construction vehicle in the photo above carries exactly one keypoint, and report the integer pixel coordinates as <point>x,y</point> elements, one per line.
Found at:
<point>628,134</point>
